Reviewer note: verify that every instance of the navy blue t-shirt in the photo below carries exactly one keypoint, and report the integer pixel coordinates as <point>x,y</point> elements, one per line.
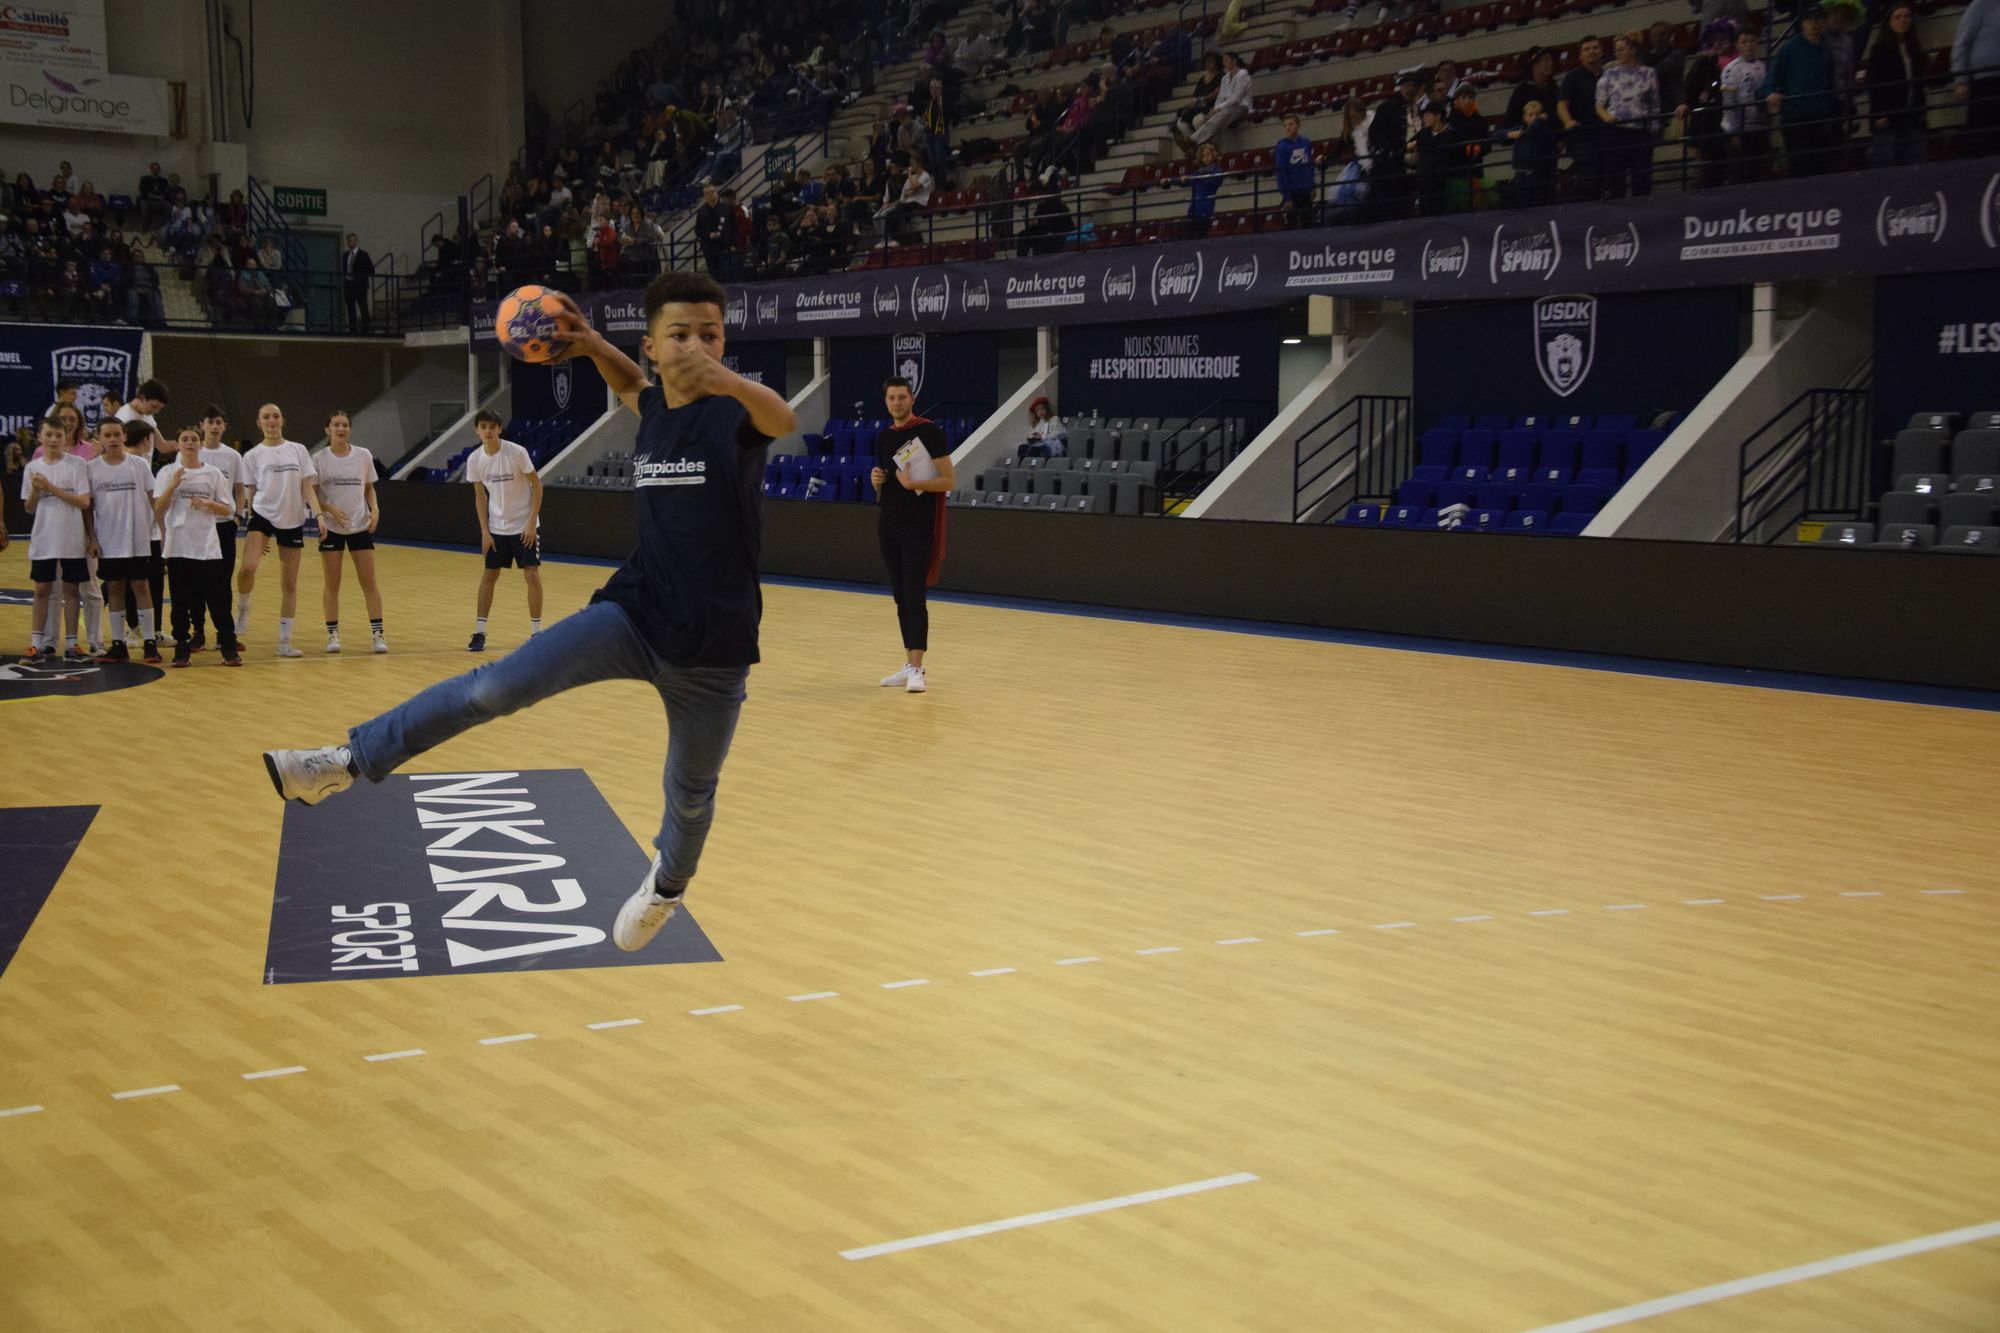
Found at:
<point>690,585</point>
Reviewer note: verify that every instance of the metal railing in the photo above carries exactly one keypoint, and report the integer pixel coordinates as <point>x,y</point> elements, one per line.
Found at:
<point>1811,460</point>
<point>1192,454</point>
<point>1359,451</point>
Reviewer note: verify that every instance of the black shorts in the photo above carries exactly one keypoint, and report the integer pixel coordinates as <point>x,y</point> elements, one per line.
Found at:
<point>292,537</point>
<point>125,568</point>
<point>518,550</point>
<point>60,569</point>
<point>346,541</point>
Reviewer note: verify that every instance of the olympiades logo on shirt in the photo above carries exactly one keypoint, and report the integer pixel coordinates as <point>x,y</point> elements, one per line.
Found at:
<point>1237,275</point>
<point>442,874</point>
<point>1119,284</point>
<point>1446,258</point>
<point>96,371</point>
<point>767,309</point>
<point>930,297</point>
<point>1177,279</point>
<point>888,301</point>
<point>1919,221</point>
<point>21,679</point>
<point>736,314</point>
<point>975,297</point>
<point>906,358</point>
<point>1529,253</point>
<point>1611,247</point>
<point>1565,341</point>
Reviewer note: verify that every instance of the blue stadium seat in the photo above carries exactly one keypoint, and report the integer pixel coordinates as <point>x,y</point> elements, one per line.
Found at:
<point>1437,447</point>
<point>1471,476</point>
<point>1454,493</point>
<point>1494,495</point>
<point>1492,424</point>
<point>1622,422</point>
<point>1536,421</point>
<point>1360,516</point>
<point>1484,520</point>
<point>1475,449</point>
<point>1417,493</point>
<point>1574,423</point>
<point>1455,423</point>
<point>1559,448</point>
<point>1603,451</point>
<point>1427,519</point>
<point>1603,479</point>
<point>1515,458</point>
<point>1583,499</point>
<point>1403,516</point>
<point>1645,443</point>
<point>1568,524</point>
<point>1533,522</point>
<point>1539,497</point>
<point>1553,476</point>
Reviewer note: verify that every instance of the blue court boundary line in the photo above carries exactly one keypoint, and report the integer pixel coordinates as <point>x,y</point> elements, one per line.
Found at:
<point>1795,682</point>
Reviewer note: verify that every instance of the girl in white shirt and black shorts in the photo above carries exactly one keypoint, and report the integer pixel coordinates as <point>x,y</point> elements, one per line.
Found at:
<point>346,485</point>
<point>279,474</point>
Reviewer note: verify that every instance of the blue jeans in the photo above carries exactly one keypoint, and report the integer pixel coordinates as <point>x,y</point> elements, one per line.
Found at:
<point>597,643</point>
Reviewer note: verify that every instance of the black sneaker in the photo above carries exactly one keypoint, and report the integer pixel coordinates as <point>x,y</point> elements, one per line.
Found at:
<point>152,650</point>
<point>117,652</point>
<point>200,642</point>
<point>478,644</point>
<point>180,655</point>
<point>78,657</point>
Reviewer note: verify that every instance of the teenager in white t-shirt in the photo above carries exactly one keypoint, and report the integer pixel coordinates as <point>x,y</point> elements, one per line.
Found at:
<point>347,485</point>
<point>82,448</point>
<point>189,498</point>
<point>56,489</point>
<point>507,496</point>
<point>218,453</point>
<point>140,441</point>
<point>147,400</point>
<point>279,474</point>
<point>121,509</point>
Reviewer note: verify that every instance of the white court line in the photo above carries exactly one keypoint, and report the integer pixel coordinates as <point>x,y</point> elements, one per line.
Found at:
<point>1781,897</point>
<point>994,971</point>
<point>612,1023</point>
<point>899,985</point>
<point>715,1009</point>
<point>145,1092</point>
<point>1247,939</point>
<point>1472,918</point>
<point>1943,890</point>
<point>1625,907</point>
<point>814,995</point>
<point>1072,962</point>
<point>1551,911</point>
<point>1053,1215</point>
<point>393,1055</point>
<point>276,1073</point>
<point>1860,893</point>
<point>1306,934</point>
<point>1397,925</point>
<point>510,1037</point>
<point>1164,948</point>
<point>1632,1314</point>
<point>1701,902</point>
<point>19,1110</point>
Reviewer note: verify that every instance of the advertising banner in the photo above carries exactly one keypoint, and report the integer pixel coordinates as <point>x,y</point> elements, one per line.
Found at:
<point>67,36</point>
<point>1937,346</point>
<point>951,374</point>
<point>35,357</point>
<point>1177,368</point>
<point>64,99</point>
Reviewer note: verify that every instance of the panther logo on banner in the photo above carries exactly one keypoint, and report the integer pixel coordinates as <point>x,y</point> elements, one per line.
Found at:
<point>562,380</point>
<point>95,371</point>
<point>1565,341</point>
<point>442,874</point>
<point>906,358</point>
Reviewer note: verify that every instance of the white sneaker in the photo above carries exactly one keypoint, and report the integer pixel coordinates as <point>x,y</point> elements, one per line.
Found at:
<point>902,676</point>
<point>381,643</point>
<point>642,914</point>
<point>285,649</point>
<point>164,639</point>
<point>333,643</point>
<point>915,684</point>
<point>309,776</point>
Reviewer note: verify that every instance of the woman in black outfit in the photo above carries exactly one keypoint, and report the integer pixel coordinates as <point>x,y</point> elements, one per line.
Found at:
<point>1896,92</point>
<point>1538,86</point>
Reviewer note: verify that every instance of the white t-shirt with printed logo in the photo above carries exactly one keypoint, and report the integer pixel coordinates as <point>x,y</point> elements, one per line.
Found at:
<point>58,532</point>
<point>509,495</point>
<point>191,533</point>
<point>343,483</point>
<point>121,506</point>
<point>276,475</point>
<point>230,464</point>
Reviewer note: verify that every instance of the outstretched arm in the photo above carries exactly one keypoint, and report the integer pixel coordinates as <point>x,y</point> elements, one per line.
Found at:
<point>620,371</point>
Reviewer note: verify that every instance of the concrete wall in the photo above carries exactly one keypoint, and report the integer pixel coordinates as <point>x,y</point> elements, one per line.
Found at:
<point>308,378</point>
<point>567,48</point>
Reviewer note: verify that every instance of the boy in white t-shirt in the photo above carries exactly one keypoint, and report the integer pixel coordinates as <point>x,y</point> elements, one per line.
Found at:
<point>218,453</point>
<point>507,496</point>
<point>279,474</point>
<point>121,510</point>
<point>56,489</point>
<point>189,499</point>
<point>347,484</point>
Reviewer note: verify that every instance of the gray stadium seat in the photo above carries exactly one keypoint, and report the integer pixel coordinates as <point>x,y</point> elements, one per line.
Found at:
<point>1989,420</point>
<point>1906,507</point>
<point>995,479</point>
<point>1978,483</point>
<point>1969,540</point>
<point>953,499</point>
<point>970,499</point>
<point>1050,503</point>
<point>1924,483</point>
<point>1023,500</point>
<point>1905,537</point>
<point>1965,511</point>
<point>1020,478</point>
<point>1088,504</point>
<point>1944,421</point>
<point>1976,451</point>
<point>1846,534</point>
<point>1918,451</point>
<point>1048,481</point>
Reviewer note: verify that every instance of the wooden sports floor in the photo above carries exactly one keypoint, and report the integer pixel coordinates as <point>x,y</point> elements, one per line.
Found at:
<point>1477,995</point>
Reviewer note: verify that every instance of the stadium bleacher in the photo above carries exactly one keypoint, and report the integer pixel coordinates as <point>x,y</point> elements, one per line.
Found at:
<point>1946,496</point>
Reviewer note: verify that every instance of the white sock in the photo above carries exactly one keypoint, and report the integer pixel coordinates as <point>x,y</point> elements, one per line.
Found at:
<point>93,619</point>
<point>52,635</point>
<point>145,622</point>
<point>70,641</point>
<point>479,625</point>
<point>534,627</point>
<point>284,629</point>
<point>242,612</point>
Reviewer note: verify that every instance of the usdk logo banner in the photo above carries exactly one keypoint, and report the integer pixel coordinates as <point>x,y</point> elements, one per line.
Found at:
<point>436,874</point>
<point>34,358</point>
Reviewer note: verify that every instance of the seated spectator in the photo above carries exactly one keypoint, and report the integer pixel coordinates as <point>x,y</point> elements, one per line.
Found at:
<point>1292,160</point>
<point>1744,117</point>
<point>1536,148</point>
<point>89,202</point>
<point>869,191</point>
<point>1896,100</point>
<point>1204,183</point>
<point>236,214</point>
<point>1539,85</point>
<point>1062,149</point>
<point>899,216</point>
<point>771,256</point>
<point>143,305</point>
<point>1050,221</point>
<point>1628,105</point>
<point>1206,85</point>
<point>827,242</point>
<point>1232,100</point>
<point>253,294</point>
<point>1347,194</point>
<point>1047,436</point>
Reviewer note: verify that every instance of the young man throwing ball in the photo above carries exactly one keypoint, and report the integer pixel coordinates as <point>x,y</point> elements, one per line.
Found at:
<point>681,613</point>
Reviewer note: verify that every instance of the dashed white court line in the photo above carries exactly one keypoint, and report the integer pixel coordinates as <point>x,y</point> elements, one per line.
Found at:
<point>1072,962</point>
<point>608,1024</point>
<point>814,995</point>
<point>1551,911</point>
<point>1938,891</point>
<point>1721,1291</point>
<point>996,971</point>
<point>715,1009</point>
<point>1309,934</point>
<point>1702,902</point>
<point>1860,893</point>
<point>1052,1215</point>
<point>1781,897</point>
<point>1157,949</point>
<point>145,1092</point>
<point>274,1073</point>
<point>20,1110</point>
<point>1472,918</point>
<point>508,1039</point>
<point>1397,925</point>
<point>1246,939</point>
<point>1624,907</point>
<point>900,985</point>
<point>393,1055</point>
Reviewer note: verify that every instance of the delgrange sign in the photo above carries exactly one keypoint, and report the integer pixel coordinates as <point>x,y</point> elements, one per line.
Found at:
<point>299,199</point>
